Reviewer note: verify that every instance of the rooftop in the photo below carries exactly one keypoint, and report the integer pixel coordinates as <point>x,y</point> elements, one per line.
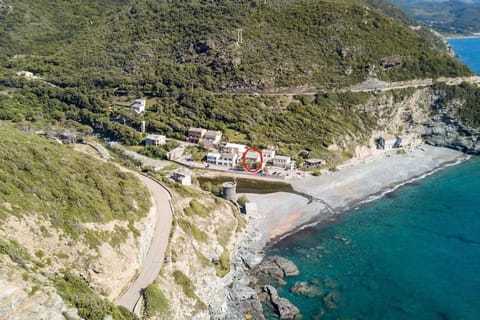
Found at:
<point>229,156</point>
<point>235,145</point>
<point>155,136</point>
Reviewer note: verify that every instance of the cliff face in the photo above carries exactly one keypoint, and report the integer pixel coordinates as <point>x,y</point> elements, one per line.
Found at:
<point>425,114</point>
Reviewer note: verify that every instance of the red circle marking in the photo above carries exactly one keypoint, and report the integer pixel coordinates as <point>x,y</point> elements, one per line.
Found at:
<point>244,160</point>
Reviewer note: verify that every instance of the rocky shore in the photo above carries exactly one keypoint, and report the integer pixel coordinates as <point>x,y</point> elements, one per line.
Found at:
<point>283,213</point>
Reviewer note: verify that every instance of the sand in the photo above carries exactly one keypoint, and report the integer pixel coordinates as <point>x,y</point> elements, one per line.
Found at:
<point>331,194</point>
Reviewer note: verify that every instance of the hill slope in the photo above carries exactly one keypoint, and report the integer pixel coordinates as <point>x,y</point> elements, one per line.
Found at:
<point>68,227</point>
<point>151,44</point>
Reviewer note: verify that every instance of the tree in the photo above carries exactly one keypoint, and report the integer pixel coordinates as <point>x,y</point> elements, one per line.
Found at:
<point>242,201</point>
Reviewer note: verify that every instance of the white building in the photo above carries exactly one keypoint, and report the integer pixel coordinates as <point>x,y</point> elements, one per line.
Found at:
<point>282,161</point>
<point>212,137</point>
<point>252,156</point>
<point>228,160</point>
<point>183,177</point>
<point>268,155</point>
<point>238,149</point>
<point>213,158</point>
<point>155,140</point>
<point>139,106</point>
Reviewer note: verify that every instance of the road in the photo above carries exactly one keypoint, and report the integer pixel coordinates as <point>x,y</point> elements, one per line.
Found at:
<point>153,262</point>
<point>369,85</point>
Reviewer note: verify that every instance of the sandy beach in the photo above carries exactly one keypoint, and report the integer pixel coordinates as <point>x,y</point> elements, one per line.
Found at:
<point>331,194</point>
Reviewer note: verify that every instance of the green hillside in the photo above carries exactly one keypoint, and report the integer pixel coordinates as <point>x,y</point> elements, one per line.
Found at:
<point>149,44</point>
<point>96,56</point>
<point>39,176</point>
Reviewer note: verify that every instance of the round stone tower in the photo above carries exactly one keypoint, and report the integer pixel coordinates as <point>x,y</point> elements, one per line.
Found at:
<point>229,190</point>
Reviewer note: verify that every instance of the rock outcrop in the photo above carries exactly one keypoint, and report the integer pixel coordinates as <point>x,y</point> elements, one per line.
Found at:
<point>284,308</point>
<point>277,267</point>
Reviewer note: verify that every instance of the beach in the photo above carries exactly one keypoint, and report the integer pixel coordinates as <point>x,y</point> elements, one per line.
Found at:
<point>328,195</point>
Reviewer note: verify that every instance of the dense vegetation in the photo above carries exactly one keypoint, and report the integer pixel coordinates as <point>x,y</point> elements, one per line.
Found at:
<point>90,306</point>
<point>95,56</point>
<point>65,187</point>
<point>155,301</point>
<point>158,46</point>
<point>448,17</point>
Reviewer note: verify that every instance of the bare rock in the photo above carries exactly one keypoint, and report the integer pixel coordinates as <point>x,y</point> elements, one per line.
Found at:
<point>331,300</point>
<point>306,289</point>
<point>284,308</point>
<point>288,267</point>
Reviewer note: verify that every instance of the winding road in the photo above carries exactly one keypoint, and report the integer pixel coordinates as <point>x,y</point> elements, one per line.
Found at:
<point>153,262</point>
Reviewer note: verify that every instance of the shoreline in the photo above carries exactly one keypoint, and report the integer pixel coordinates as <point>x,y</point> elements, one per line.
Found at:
<point>282,214</point>
<point>358,204</point>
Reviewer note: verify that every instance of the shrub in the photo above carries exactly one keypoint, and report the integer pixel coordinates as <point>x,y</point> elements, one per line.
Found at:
<point>155,301</point>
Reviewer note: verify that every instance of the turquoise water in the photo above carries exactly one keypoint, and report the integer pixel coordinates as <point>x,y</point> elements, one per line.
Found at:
<point>468,50</point>
<point>414,254</point>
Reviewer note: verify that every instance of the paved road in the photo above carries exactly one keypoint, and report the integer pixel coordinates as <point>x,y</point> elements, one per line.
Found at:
<point>370,85</point>
<point>153,262</point>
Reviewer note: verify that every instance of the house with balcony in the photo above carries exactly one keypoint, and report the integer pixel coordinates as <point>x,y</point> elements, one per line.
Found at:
<point>268,155</point>
<point>139,106</point>
<point>228,160</point>
<point>213,158</point>
<point>196,135</point>
<point>238,149</point>
<point>155,140</point>
<point>314,163</point>
<point>212,137</point>
<point>282,161</point>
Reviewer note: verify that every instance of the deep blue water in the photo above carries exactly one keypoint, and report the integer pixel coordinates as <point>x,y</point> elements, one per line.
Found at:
<point>414,254</point>
<point>468,51</point>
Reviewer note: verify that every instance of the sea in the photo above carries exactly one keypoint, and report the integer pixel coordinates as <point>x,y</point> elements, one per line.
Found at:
<point>468,51</point>
<point>412,254</point>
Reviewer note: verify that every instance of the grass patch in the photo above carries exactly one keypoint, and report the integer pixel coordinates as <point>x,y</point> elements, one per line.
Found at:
<point>15,251</point>
<point>196,208</point>
<point>66,187</point>
<point>187,285</point>
<point>223,265</point>
<point>90,306</point>
<point>155,301</point>
<point>192,230</point>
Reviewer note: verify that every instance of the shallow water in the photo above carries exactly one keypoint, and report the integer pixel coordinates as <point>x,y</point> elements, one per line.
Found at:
<point>414,254</point>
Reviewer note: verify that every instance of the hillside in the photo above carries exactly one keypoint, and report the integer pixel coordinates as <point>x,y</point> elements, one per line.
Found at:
<point>68,225</point>
<point>92,60</point>
<point>159,45</point>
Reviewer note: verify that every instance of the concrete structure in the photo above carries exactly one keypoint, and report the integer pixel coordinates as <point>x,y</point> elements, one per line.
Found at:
<point>139,106</point>
<point>196,135</point>
<point>228,160</point>
<point>251,208</point>
<point>155,140</point>
<point>183,177</point>
<point>176,153</point>
<point>142,127</point>
<point>252,156</point>
<point>238,149</point>
<point>212,137</point>
<point>229,190</point>
<point>314,163</point>
<point>268,155</point>
<point>389,142</point>
<point>282,161</point>
<point>213,158</point>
